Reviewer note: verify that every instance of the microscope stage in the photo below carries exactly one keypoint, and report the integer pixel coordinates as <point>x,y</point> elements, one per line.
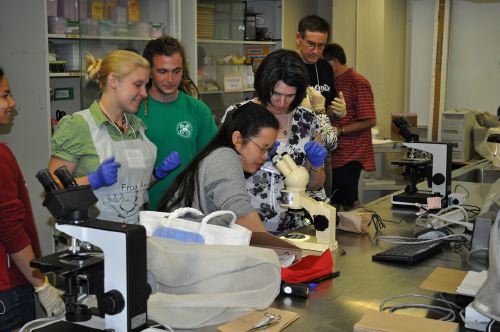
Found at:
<point>66,262</point>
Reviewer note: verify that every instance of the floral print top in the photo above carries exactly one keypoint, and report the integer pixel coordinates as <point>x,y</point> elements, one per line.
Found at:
<point>264,186</point>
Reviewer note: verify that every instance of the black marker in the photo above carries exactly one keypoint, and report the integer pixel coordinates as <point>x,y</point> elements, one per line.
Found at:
<point>328,276</point>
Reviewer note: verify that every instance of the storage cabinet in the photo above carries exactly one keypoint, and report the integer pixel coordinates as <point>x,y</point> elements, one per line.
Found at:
<point>80,27</point>
<point>232,37</point>
<point>457,127</point>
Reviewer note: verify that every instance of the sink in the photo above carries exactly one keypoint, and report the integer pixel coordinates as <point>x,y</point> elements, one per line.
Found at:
<point>479,175</point>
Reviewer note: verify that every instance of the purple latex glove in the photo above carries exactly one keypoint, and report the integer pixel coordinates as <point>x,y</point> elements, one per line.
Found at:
<point>272,152</point>
<point>315,153</point>
<point>169,163</point>
<point>106,174</point>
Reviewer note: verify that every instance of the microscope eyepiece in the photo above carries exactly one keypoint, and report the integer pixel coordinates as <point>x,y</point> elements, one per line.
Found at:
<point>47,181</point>
<point>65,177</point>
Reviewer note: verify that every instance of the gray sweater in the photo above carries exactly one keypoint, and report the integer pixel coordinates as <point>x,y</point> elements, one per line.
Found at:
<point>222,184</point>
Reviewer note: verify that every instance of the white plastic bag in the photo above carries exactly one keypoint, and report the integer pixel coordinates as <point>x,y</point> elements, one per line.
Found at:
<point>184,220</point>
<point>205,285</point>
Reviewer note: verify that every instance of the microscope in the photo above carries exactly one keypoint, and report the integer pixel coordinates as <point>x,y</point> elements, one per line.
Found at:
<point>116,276</point>
<point>431,160</point>
<point>294,196</point>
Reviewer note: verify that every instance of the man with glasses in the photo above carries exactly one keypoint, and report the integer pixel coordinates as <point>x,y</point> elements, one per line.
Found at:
<point>312,36</point>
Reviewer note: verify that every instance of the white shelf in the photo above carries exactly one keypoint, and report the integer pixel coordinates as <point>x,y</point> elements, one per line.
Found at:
<point>242,42</point>
<point>223,91</point>
<point>62,36</point>
<point>73,74</point>
<point>92,37</point>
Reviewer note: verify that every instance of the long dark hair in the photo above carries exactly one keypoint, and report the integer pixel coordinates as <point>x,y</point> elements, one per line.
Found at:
<point>248,119</point>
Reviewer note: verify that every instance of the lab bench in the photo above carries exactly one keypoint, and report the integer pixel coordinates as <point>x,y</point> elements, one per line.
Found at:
<point>337,304</point>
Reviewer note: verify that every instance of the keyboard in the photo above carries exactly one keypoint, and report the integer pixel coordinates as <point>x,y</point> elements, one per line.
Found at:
<point>408,253</point>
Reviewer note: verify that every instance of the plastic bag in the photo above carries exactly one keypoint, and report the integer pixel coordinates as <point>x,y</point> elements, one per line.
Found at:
<point>190,225</point>
<point>207,285</point>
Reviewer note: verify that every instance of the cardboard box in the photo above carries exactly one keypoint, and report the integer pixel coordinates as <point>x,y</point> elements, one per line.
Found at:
<point>379,321</point>
<point>280,246</point>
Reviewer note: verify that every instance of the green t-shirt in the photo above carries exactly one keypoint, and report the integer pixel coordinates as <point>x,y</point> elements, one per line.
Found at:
<point>185,125</point>
<point>72,140</point>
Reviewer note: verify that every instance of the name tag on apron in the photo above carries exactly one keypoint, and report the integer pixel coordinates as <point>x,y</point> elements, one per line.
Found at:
<point>135,158</point>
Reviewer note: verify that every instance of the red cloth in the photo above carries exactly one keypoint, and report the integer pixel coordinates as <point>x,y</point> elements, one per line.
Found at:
<point>308,268</point>
<point>17,225</point>
<point>360,106</point>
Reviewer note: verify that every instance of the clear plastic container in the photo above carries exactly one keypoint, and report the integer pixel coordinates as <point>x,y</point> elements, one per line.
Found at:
<point>57,24</point>
<point>157,29</point>
<point>106,28</point>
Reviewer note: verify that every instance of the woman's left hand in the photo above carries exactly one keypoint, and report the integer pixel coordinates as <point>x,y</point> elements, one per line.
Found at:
<point>315,153</point>
<point>169,163</point>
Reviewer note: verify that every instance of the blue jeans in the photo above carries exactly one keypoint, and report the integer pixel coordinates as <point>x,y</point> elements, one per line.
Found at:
<point>17,307</point>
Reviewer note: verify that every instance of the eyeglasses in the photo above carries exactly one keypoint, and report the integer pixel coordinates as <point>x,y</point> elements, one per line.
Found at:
<point>312,45</point>
<point>263,150</point>
<point>279,95</point>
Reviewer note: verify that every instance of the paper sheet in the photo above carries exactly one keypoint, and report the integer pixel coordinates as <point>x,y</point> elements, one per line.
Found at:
<point>472,282</point>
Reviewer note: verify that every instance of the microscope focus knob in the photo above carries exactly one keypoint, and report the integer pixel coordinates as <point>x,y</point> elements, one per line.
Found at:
<point>438,178</point>
<point>320,223</point>
<point>111,302</point>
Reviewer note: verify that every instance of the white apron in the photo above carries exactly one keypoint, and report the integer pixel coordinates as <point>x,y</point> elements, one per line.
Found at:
<point>123,200</point>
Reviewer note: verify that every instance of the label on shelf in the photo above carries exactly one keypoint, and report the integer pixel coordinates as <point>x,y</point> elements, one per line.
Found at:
<point>97,10</point>
<point>233,82</point>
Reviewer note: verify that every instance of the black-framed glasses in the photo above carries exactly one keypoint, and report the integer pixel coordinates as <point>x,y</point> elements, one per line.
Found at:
<point>312,45</point>
<point>263,150</point>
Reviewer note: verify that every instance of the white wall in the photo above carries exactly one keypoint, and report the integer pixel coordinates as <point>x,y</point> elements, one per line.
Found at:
<point>421,34</point>
<point>373,34</point>
<point>474,56</point>
<point>473,72</point>
<point>24,50</point>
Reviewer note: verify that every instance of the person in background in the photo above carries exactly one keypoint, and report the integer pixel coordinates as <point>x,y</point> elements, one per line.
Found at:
<point>214,180</point>
<point>280,85</point>
<point>311,38</point>
<point>173,117</point>
<point>18,239</point>
<point>355,150</point>
<point>105,145</point>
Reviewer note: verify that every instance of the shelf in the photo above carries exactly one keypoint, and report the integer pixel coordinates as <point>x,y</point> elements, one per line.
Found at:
<point>241,42</point>
<point>62,36</point>
<point>223,91</point>
<point>70,74</point>
<point>91,37</point>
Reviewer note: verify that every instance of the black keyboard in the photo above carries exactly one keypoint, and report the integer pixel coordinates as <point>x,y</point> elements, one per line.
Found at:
<point>409,253</point>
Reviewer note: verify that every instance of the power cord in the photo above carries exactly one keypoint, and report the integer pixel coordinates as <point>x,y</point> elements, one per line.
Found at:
<point>450,316</point>
<point>412,240</point>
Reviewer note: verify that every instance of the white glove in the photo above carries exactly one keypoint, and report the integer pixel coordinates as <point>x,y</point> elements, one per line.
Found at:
<point>50,298</point>
<point>338,106</point>
<point>314,100</point>
<point>487,120</point>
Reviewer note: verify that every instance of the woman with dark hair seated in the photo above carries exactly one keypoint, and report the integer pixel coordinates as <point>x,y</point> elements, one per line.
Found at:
<point>215,178</point>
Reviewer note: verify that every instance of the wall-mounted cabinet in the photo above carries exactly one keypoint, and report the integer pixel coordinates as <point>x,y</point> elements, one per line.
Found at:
<point>225,44</point>
<point>76,28</point>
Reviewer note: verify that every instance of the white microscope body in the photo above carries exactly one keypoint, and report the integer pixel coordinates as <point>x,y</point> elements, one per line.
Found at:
<point>294,197</point>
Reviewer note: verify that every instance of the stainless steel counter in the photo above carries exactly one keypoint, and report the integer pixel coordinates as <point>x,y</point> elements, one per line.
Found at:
<point>336,305</point>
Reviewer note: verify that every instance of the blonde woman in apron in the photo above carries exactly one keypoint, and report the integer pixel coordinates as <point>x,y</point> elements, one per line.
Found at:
<point>105,145</point>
